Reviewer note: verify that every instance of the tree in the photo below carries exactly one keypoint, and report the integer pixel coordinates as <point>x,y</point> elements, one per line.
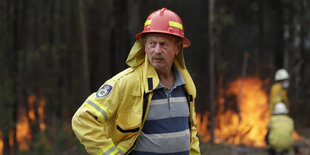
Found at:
<point>212,67</point>
<point>84,46</point>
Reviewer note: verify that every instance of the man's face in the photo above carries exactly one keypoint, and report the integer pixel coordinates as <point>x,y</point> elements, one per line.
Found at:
<point>161,50</point>
<point>285,84</point>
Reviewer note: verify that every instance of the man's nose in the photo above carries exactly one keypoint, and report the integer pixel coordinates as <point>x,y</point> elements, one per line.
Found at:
<point>158,49</point>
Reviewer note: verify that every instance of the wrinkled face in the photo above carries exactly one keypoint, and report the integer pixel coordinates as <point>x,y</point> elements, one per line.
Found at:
<point>161,50</point>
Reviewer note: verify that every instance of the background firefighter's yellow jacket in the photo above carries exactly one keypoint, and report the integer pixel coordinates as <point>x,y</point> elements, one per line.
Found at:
<point>112,124</point>
<point>278,94</point>
<point>281,128</point>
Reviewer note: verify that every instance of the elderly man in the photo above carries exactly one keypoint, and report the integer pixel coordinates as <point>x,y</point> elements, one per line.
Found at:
<point>149,107</point>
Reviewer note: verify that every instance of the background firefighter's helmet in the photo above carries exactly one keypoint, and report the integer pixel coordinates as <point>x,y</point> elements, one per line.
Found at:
<point>280,108</point>
<point>281,74</point>
<point>164,21</point>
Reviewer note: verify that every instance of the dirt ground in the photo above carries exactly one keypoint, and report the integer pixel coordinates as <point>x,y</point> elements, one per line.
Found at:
<point>229,149</point>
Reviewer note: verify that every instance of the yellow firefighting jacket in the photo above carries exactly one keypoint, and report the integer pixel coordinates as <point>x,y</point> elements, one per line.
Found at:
<point>281,128</point>
<point>278,94</point>
<point>111,121</point>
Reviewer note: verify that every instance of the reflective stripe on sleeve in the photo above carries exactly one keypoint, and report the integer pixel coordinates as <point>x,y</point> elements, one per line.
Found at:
<point>110,150</point>
<point>121,150</point>
<point>176,24</point>
<point>96,107</point>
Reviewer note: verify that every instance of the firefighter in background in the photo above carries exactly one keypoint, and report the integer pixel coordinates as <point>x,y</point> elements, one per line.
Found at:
<point>280,128</point>
<point>278,92</point>
<point>148,108</point>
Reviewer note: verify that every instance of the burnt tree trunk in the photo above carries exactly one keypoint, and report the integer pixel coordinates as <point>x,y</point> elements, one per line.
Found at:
<point>119,35</point>
<point>212,67</point>
<point>85,76</point>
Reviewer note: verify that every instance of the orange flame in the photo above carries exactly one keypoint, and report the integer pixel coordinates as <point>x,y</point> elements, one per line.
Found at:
<point>23,130</point>
<point>250,130</point>
<point>41,114</point>
<point>296,136</point>
<point>23,133</point>
<point>31,112</point>
<point>202,124</point>
<point>40,110</point>
<point>1,143</point>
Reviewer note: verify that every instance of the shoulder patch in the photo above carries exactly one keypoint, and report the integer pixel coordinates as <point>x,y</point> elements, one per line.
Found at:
<point>104,91</point>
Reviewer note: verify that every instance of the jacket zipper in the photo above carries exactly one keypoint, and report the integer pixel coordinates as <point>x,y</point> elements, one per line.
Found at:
<point>146,103</point>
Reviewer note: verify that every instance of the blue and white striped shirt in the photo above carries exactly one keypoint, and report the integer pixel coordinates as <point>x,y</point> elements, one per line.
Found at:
<point>166,129</point>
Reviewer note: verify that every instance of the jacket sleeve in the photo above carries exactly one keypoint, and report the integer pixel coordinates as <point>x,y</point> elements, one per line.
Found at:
<point>278,94</point>
<point>195,149</point>
<point>90,122</point>
<point>275,96</point>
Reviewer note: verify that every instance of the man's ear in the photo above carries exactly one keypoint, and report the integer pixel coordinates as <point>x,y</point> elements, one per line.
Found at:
<point>179,46</point>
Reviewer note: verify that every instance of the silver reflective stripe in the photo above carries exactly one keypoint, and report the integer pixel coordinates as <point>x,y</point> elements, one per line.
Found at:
<point>120,151</point>
<point>165,100</point>
<point>159,101</point>
<point>166,135</point>
<point>178,99</point>
<point>108,152</point>
<point>94,105</point>
<point>165,143</point>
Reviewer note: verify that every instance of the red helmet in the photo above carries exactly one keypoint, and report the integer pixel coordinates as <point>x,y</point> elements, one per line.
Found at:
<point>164,21</point>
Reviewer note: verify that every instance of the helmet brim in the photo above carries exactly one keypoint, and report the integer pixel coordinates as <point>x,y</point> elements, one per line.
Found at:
<point>186,42</point>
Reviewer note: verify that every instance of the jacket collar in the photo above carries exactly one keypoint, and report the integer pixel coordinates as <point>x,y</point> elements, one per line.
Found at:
<point>150,76</point>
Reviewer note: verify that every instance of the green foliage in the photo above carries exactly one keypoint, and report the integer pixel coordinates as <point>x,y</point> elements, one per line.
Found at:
<point>223,19</point>
<point>7,97</point>
<point>40,145</point>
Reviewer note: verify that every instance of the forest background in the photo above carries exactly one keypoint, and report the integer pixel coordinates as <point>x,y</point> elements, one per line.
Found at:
<point>54,53</point>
